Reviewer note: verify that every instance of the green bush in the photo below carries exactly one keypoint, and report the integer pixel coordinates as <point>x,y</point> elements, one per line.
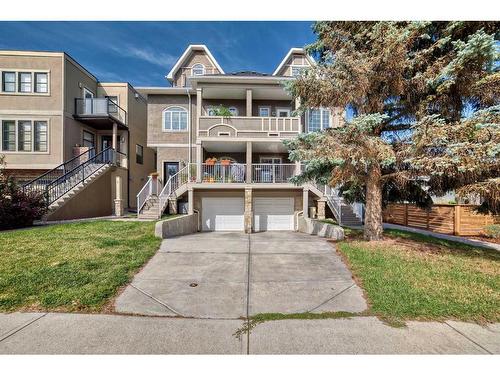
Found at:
<point>492,231</point>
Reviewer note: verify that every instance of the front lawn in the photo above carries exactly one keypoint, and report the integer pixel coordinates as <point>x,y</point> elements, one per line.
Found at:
<point>413,276</point>
<point>71,267</point>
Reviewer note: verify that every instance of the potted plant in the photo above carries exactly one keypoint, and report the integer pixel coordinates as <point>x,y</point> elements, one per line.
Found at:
<point>225,162</point>
<point>222,111</point>
<point>211,161</point>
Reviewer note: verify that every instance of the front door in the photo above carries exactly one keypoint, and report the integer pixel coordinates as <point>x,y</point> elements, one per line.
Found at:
<point>88,102</point>
<point>107,142</point>
<point>169,169</point>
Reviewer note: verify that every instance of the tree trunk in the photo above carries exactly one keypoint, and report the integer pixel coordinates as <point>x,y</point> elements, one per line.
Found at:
<point>373,214</point>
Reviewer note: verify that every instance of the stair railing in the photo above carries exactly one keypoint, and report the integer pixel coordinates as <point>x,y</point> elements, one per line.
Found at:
<point>60,180</point>
<point>174,182</point>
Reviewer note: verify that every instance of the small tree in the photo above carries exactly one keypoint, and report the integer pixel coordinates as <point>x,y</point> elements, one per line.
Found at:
<point>423,98</point>
<point>17,208</point>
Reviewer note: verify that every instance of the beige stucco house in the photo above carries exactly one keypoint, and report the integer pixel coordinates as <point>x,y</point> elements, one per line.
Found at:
<point>56,121</point>
<point>232,170</point>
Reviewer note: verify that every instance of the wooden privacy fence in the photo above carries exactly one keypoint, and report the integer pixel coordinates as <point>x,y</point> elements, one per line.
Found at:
<point>460,219</point>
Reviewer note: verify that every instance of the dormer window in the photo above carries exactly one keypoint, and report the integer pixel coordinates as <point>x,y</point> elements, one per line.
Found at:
<point>198,70</point>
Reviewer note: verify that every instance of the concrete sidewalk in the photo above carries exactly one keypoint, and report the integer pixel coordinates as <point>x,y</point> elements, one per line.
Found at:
<point>57,333</point>
<point>449,237</point>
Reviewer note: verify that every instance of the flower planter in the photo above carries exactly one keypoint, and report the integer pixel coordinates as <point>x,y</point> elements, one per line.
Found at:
<point>225,162</point>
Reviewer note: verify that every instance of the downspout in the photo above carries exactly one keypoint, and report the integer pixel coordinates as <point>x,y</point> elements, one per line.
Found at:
<point>190,132</point>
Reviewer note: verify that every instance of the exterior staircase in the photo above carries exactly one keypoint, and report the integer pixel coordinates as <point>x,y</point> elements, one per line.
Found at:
<point>151,202</point>
<point>342,211</point>
<point>62,183</point>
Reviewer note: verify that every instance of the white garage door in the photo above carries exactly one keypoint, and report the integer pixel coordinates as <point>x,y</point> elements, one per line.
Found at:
<point>222,214</point>
<point>273,214</point>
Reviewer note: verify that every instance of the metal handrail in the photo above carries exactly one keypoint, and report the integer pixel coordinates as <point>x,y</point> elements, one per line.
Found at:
<point>144,194</point>
<point>174,182</point>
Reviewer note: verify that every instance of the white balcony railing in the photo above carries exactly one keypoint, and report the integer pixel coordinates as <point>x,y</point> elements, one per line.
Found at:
<point>241,126</point>
<point>273,173</point>
<point>232,173</point>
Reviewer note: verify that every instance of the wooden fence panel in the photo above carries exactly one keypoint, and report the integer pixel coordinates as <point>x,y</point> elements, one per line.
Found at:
<point>461,220</point>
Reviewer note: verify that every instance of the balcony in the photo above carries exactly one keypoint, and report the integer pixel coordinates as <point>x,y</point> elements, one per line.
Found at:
<point>100,113</point>
<point>249,127</point>
<point>237,173</point>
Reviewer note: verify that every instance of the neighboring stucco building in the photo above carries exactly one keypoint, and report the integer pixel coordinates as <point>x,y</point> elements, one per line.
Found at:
<point>53,109</point>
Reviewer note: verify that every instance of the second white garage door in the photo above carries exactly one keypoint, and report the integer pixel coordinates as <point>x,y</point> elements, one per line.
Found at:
<point>273,214</point>
<point>222,214</point>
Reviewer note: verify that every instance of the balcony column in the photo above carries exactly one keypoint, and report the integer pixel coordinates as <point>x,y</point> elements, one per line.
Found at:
<point>199,157</point>
<point>199,93</point>
<point>249,102</point>
<point>297,106</point>
<point>190,201</point>
<point>305,202</point>
<point>114,140</point>
<point>297,168</point>
<point>249,163</point>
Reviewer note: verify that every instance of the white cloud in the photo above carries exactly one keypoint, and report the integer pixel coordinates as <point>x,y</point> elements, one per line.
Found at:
<point>157,58</point>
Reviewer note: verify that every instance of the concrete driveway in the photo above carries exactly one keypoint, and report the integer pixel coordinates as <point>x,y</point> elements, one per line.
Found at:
<point>236,275</point>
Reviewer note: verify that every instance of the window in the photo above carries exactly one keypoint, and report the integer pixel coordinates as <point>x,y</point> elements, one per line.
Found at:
<point>233,110</point>
<point>264,111</point>
<point>24,136</point>
<point>88,139</point>
<point>112,104</point>
<point>318,119</point>
<point>175,119</point>
<point>41,140</point>
<point>41,82</point>
<point>297,70</point>
<point>139,154</point>
<point>212,111</point>
<point>25,82</point>
<point>8,82</point>
<point>9,135</point>
<point>283,112</point>
<point>198,70</point>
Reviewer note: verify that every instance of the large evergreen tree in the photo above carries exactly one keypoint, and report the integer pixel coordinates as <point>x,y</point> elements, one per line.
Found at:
<point>424,98</point>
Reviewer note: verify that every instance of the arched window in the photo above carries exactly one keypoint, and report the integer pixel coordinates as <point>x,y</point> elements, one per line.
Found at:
<point>174,119</point>
<point>198,69</point>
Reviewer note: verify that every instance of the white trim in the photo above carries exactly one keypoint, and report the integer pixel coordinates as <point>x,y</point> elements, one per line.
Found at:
<point>270,157</point>
<point>16,71</point>
<point>189,49</point>
<point>171,145</point>
<point>193,67</point>
<point>228,125</point>
<point>288,110</point>
<point>285,59</point>
<point>16,127</point>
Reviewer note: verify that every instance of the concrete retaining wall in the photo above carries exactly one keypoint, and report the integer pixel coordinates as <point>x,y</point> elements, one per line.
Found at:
<point>178,226</point>
<point>320,229</point>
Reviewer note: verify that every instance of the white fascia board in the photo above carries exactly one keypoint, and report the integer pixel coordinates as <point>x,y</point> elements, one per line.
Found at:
<point>192,47</point>
<point>293,50</point>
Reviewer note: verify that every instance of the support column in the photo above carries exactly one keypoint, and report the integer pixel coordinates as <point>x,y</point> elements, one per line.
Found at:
<point>249,102</point>
<point>249,163</point>
<point>321,209</point>
<point>172,206</point>
<point>297,106</point>
<point>248,215</point>
<point>114,141</point>
<point>305,202</point>
<point>190,201</point>
<point>199,93</point>
<point>297,168</point>
<point>199,157</point>
<point>118,202</point>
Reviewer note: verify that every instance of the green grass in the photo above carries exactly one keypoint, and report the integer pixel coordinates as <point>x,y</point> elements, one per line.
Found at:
<point>413,276</point>
<point>71,267</point>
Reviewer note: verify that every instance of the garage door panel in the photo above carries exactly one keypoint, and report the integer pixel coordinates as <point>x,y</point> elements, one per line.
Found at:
<point>222,214</point>
<point>274,214</point>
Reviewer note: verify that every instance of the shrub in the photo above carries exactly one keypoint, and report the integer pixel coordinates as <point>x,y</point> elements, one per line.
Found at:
<point>492,231</point>
<point>18,209</point>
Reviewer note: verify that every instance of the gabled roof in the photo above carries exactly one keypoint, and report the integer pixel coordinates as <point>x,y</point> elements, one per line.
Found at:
<point>191,48</point>
<point>293,50</point>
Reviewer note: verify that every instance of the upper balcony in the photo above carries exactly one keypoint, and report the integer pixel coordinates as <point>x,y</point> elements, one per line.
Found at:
<point>100,113</point>
<point>249,127</point>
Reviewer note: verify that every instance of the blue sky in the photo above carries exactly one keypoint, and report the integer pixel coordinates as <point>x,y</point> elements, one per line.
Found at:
<point>142,53</point>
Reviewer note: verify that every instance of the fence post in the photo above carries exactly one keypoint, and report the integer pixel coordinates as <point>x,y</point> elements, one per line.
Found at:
<point>456,220</point>
<point>406,214</point>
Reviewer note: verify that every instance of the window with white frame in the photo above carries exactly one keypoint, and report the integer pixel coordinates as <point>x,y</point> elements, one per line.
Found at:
<point>198,70</point>
<point>175,119</point>
<point>297,70</point>
<point>233,110</point>
<point>25,84</point>
<point>24,136</point>
<point>41,140</point>
<point>8,81</point>
<point>41,82</point>
<point>318,119</point>
<point>264,111</point>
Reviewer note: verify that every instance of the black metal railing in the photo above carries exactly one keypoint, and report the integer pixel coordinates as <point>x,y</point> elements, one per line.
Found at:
<point>60,180</point>
<point>100,107</point>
